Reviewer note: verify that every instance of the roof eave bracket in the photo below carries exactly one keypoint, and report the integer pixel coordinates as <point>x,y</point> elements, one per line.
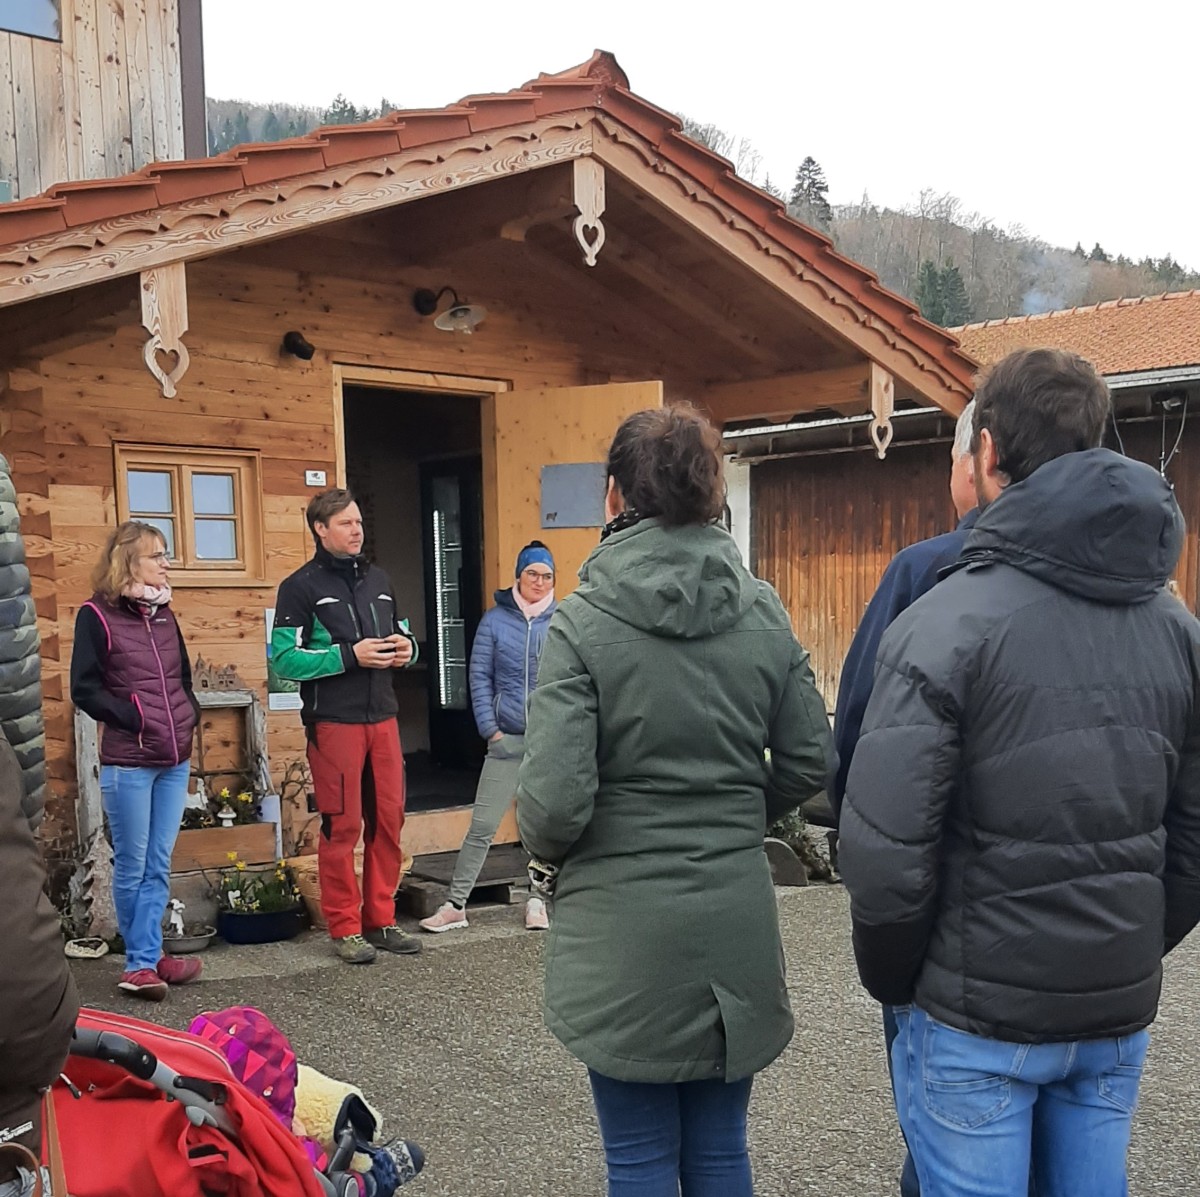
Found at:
<point>165,318</point>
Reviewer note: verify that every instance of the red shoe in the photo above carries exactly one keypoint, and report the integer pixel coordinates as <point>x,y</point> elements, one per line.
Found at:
<point>180,970</point>
<point>144,983</point>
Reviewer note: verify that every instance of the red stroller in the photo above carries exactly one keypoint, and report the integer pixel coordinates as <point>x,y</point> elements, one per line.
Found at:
<point>146,1111</point>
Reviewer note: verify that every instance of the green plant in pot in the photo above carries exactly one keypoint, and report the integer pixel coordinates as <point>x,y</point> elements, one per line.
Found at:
<point>258,905</point>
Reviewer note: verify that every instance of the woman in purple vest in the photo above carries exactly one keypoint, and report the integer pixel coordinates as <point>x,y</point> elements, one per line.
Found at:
<point>130,672</point>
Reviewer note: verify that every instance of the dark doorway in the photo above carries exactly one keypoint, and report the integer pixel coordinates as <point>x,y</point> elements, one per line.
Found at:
<point>413,463</point>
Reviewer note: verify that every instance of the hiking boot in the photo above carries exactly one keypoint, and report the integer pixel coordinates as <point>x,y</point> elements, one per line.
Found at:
<point>536,918</point>
<point>447,917</point>
<point>144,983</point>
<point>180,970</point>
<point>353,949</point>
<point>393,939</point>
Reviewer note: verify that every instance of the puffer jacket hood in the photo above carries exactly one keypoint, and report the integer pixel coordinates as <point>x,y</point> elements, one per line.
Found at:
<point>1096,524</point>
<point>685,583</point>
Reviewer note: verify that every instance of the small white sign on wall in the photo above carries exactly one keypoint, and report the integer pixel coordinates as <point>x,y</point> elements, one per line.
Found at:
<point>314,477</point>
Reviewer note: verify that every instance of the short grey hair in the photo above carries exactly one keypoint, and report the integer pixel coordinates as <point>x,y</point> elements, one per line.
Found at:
<point>963,431</point>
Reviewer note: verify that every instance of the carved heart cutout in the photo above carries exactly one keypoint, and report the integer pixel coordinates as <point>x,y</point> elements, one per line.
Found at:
<point>591,245</point>
<point>157,356</point>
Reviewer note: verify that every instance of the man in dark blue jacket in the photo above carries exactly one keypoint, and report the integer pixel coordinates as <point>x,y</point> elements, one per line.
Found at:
<point>912,572</point>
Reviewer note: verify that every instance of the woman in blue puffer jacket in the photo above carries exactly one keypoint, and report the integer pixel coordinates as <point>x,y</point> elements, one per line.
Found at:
<point>503,673</point>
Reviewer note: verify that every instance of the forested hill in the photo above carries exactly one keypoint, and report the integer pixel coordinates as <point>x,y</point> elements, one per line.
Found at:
<point>958,266</point>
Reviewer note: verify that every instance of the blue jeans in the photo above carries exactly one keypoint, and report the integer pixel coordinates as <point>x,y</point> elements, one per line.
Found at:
<point>984,1117</point>
<point>144,806</point>
<point>666,1140</point>
<point>909,1185</point>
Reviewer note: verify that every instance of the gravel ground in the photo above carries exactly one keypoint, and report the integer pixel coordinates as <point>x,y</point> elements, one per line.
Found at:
<point>450,1046</point>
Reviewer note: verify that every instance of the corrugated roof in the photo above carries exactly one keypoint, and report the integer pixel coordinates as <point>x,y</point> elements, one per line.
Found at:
<point>1122,336</point>
<point>599,83</point>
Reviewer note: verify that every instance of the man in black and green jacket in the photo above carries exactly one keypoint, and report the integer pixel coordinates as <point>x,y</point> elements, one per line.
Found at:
<point>338,634</point>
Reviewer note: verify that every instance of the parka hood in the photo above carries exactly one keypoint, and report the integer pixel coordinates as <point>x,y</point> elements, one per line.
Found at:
<point>687,582</point>
<point>1095,524</point>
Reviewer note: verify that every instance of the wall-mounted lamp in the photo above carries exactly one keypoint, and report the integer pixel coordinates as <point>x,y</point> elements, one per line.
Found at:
<point>296,344</point>
<point>460,316</point>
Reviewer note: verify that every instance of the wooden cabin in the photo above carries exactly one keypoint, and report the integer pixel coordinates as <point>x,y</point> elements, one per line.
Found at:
<point>827,516</point>
<point>209,343</point>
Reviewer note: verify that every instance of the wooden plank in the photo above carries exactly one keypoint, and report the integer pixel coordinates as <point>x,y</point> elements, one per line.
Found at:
<point>72,124</point>
<point>29,179</point>
<point>114,87</point>
<point>443,830</point>
<point>844,389</point>
<point>8,117</point>
<point>88,74</point>
<point>137,61</point>
<point>156,80</point>
<point>173,77</point>
<point>209,847</point>
<point>53,160</point>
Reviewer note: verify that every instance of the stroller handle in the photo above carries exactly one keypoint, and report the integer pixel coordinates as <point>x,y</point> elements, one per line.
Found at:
<point>115,1049</point>
<point>202,1099</point>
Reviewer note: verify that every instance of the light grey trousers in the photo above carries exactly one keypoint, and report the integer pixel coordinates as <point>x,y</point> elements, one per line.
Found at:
<point>493,796</point>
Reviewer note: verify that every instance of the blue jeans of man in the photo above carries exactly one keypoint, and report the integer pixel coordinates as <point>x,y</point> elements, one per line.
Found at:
<point>144,805</point>
<point>985,1118</point>
<point>670,1140</point>
<point>909,1185</point>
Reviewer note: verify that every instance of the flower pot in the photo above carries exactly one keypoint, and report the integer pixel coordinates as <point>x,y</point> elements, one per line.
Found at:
<point>195,939</point>
<point>263,926</point>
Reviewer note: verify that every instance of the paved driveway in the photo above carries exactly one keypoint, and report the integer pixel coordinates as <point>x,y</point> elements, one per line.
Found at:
<point>450,1046</point>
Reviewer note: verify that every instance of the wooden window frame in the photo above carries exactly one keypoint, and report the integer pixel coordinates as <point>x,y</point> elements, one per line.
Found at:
<point>181,462</point>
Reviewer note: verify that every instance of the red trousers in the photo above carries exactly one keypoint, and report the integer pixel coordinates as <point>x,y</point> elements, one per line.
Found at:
<point>358,776</point>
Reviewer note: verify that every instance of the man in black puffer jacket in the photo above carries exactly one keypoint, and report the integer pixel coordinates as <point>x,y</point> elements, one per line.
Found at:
<point>1021,829</point>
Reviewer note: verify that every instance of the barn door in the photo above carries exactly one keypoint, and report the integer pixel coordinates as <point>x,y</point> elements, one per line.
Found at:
<point>526,430</point>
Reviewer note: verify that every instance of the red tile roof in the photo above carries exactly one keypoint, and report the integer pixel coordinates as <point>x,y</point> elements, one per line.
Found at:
<point>1123,336</point>
<point>599,83</point>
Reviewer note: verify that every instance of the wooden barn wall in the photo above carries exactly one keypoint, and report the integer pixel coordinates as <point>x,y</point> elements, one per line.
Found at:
<point>62,411</point>
<point>825,527</point>
<point>104,101</point>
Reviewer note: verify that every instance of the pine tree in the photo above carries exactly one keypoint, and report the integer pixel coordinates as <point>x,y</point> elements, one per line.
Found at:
<point>956,304</point>
<point>770,188</point>
<point>227,134</point>
<point>1098,255</point>
<point>292,130</point>
<point>340,112</point>
<point>272,130</point>
<point>810,194</point>
<point>1079,251</point>
<point>929,293</point>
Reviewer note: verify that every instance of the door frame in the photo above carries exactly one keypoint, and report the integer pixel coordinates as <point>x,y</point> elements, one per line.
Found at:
<point>426,832</point>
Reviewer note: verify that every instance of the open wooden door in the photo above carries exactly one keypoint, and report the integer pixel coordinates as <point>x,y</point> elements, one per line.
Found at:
<point>526,430</point>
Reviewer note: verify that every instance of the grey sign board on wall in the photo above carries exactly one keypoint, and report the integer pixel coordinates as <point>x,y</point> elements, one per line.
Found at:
<point>573,495</point>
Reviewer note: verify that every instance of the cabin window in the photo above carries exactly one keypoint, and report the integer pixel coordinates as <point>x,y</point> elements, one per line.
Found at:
<point>207,504</point>
<point>34,18</point>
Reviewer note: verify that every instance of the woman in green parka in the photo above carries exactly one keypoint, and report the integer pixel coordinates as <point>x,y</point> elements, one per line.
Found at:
<point>665,679</point>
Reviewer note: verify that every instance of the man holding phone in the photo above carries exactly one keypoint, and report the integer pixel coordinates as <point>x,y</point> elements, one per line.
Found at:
<point>338,633</point>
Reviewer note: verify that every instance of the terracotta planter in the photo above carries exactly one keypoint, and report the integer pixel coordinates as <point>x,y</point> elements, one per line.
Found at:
<point>262,927</point>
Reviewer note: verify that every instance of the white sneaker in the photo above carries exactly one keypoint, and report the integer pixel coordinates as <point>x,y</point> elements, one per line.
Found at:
<point>536,918</point>
<point>447,917</point>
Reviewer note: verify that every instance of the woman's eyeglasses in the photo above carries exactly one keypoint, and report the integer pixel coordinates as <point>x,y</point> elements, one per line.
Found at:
<point>165,558</point>
<point>534,576</point>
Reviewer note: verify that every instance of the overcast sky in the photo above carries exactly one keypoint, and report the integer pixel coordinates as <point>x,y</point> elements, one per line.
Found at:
<point>1077,121</point>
